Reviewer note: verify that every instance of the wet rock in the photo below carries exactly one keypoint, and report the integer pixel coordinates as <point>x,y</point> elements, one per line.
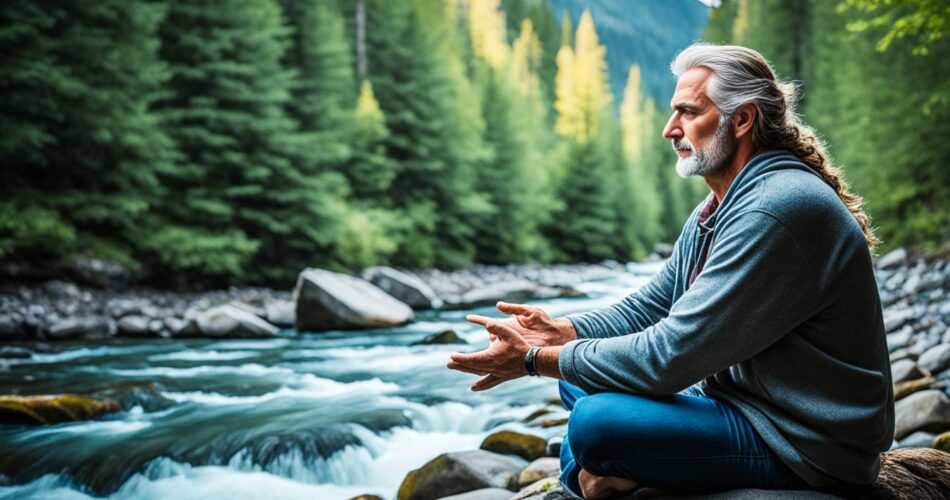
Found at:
<point>178,327</point>
<point>52,409</point>
<point>904,353</point>
<point>62,290</point>
<point>482,494</point>
<point>539,469</point>
<point>232,322</point>
<point>909,387</point>
<point>461,472</point>
<point>553,422</point>
<point>507,291</point>
<point>905,370</point>
<point>514,443</point>
<point>280,313</point>
<point>403,286</point>
<point>128,395</point>
<point>11,326</point>
<point>936,359</point>
<point>326,300</point>
<point>134,326</point>
<point>78,327</point>
<point>367,497</point>
<point>892,259</point>
<point>537,413</point>
<point>900,339</point>
<point>554,446</point>
<point>443,337</point>
<point>922,411</point>
<point>918,439</point>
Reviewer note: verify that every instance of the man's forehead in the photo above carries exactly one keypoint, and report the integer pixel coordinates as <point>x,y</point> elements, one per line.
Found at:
<point>691,88</point>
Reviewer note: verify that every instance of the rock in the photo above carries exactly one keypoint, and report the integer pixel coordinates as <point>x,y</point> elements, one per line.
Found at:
<point>537,413</point>
<point>326,300</point>
<point>936,359</point>
<point>894,258</point>
<point>545,489</point>
<point>134,326</point>
<point>922,411</point>
<point>905,370</point>
<point>460,472</point>
<point>179,327</point>
<point>525,446</point>
<point>11,326</point>
<point>904,389</point>
<point>406,288</point>
<point>52,409</point>
<point>482,494</point>
<point>912,285</point>
<point>554,446</point>
<point>443,337</point>
<point>942,442</point>
<point>895,318</point>
<point>918,439</point>
<point>912,473</point>
<point>553,422</point>
<point>539,469</point>
<point>12,352</point>
<point>280,313</point>
<point>99,273</point>
<point>900,339</point>
<point>367,497</point>
<point>77,327</point>
<point>232,322</point>
<point>62,290</point>
<point>904,353</point>
<point>508,291</point>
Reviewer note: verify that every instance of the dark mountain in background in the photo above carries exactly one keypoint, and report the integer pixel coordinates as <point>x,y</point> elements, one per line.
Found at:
<point>644,32</point>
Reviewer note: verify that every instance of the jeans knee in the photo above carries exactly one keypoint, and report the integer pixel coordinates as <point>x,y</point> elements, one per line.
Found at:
<point>588,431</point>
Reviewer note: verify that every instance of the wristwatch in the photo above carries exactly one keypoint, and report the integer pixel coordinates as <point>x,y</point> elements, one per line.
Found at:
<point>531,362</point>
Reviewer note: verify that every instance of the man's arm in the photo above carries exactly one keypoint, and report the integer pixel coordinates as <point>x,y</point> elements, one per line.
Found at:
<point>755,288</point>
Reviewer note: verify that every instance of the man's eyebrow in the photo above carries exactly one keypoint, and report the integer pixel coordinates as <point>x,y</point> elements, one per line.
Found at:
<point>685,106</point>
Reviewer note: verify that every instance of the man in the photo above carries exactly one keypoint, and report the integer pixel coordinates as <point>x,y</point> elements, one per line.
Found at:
<point>757,357</point>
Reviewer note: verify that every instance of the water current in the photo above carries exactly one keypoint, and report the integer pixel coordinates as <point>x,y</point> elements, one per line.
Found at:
<point>306,415</point>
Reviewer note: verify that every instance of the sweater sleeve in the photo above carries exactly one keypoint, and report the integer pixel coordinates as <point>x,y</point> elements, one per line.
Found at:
<point>755,288</point>
<point>635,312</point>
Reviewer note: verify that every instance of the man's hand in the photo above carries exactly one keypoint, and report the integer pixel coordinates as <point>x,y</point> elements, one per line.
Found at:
<point>533,324</point>
<point>501,362</point>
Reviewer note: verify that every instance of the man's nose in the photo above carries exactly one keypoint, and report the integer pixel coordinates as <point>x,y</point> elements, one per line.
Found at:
<point>672,130</point>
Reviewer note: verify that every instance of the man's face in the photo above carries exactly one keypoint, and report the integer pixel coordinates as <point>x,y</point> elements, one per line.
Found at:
<point>700,134</point>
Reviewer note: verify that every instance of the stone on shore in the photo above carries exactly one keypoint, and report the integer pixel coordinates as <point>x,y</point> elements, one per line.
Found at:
<point>443,337</point>
<point>280,313</point>
<point>904,389</point>
<point>85,326</point>
<point>134,326</point>
<point>405,287</point>
<point>936,359</point>
<point>905,370</point>
<point>461,472</point>
<point>942,442</point>
<point>526,446</point>
<point>894,258</point>
<point>52,409</point>
<point>482,494</point>
<point>922,411</point>
<point>548,488</point>
<point>326,301</point>
<point>539,469</point>
<point>233,322</point>
<point>489,294</point>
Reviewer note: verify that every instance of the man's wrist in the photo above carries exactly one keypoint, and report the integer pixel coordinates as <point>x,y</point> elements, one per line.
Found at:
<point>547,362</point>
<point>530,361</point>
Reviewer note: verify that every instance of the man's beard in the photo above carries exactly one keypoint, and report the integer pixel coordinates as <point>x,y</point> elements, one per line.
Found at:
<point>712,158</point>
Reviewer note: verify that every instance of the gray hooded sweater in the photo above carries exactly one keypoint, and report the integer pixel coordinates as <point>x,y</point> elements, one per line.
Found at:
<point>783,322</point>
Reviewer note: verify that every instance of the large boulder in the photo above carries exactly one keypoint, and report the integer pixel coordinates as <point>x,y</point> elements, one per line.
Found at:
<point>52,409</point>
<point>460,472</point>
<point>328,301</point>
<point>233,322</point>
<point>525,446</point>
<point>406,288</point>
<point>922,411</point>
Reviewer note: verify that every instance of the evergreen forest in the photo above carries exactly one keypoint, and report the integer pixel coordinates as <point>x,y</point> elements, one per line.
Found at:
<point>238,141</point>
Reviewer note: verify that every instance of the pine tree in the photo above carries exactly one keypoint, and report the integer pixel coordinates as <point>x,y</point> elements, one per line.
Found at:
<point>80,150</point>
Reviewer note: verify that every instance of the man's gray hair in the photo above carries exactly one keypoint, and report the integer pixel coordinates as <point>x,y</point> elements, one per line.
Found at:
<point>742,76</point>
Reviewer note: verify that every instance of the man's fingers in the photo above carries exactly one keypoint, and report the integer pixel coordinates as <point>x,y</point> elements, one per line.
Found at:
<point>502,332</point>
<point>517,309</point>
<point>474,360</point>
<point>479,320</point>
<point>462,368</point>
<point>487,383</point>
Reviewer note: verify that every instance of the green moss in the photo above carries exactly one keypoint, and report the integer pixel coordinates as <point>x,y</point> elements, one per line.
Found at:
<point>942,442</point>
<point>52,409</point>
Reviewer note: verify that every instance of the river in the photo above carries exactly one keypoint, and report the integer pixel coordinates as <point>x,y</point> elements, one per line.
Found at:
<point>307,415</point>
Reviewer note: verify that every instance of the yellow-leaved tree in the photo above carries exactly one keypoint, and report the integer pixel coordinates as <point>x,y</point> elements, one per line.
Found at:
<point>582,95</point>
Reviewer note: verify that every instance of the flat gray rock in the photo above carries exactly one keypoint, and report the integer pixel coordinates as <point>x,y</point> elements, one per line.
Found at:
<point>904,370</point>
<point>405,287</point>
<point>936,359</point>
<point>281,313</point>
<point>482,494</point>
<point>922,411</point>
<point>327,301</point>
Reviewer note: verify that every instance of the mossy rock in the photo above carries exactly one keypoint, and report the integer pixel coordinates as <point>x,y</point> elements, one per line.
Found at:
<point>52,409</point>
<point>942,442</point>
<point>525,446</point>
<point>553,422</point>
<point>367,497</point>
<point>461,472</point>
<point>443,337</point>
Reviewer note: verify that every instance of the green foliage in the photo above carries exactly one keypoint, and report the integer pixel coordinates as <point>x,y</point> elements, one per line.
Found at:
<point>926,22</point>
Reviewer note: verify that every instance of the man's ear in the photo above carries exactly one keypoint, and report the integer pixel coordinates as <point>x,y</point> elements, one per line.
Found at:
<point>744,119</point>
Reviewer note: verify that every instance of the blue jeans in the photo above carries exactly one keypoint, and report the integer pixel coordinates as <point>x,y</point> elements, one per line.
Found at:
<point>685,443</point>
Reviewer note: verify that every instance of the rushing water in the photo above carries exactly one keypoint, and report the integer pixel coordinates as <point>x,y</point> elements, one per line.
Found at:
<point>317,416</point>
